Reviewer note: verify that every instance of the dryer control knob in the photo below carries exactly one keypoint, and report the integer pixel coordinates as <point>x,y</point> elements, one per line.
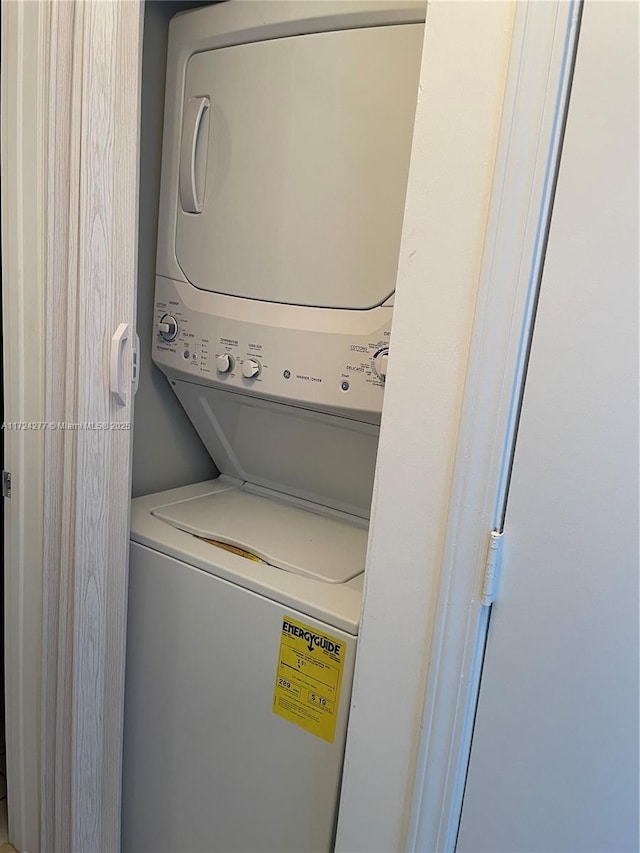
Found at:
<point>379,364</point>
<point>224,363</point>
<point>250,368</point>
<point>168,327</point>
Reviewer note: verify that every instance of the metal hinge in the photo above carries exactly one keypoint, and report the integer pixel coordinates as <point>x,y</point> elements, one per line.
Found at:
<point>6,484</point>
<point>492,568</point>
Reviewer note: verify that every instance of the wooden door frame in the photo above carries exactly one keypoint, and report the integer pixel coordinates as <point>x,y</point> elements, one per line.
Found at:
<point>70,120</point>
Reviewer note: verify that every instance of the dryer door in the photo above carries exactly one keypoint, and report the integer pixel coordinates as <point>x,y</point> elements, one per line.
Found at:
<point>293,166</point>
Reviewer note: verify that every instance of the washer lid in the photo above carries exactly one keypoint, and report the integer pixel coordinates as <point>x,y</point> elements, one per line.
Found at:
<point>289,537</point>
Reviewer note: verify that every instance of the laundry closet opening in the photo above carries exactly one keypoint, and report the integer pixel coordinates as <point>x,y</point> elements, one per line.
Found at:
<point>275,145</point>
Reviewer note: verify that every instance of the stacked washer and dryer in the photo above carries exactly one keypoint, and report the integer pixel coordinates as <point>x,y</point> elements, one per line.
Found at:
<point>286,146</point>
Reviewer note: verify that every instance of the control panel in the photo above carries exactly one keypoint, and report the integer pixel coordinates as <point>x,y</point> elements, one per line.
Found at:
<point>331,359</point>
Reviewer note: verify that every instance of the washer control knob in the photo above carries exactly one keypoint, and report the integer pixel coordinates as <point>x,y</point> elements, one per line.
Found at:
<point>224,363</point>
<point>168,327</point>
<point>250,368</point>
<point>379,363</point>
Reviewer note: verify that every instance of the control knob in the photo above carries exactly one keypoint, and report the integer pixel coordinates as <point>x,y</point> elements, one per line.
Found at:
<point>379,363</point>
<point>250,368</point>
<point>168,327</point>
<point>224,363</point>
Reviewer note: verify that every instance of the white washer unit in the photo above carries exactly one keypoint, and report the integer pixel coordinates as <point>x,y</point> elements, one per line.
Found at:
<point>286,147</point>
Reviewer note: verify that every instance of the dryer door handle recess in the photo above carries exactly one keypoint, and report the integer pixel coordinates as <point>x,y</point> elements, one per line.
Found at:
<point>192,160</point>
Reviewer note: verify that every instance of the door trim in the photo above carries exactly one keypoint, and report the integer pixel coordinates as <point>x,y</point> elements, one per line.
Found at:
<point>536,102</point>
<point>24,105</point>
<point>458,118</point>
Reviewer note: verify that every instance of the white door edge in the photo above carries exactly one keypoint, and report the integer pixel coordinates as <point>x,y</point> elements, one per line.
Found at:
<point>536,98</point>
<point>458,118</point>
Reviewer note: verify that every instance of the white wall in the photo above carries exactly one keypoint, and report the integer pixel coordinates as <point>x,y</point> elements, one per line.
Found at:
<point>167,451</point>
<point>463,75</point>
<point>554,765</point>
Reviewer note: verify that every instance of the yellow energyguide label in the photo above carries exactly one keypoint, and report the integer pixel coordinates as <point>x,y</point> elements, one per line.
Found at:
<point>308,678</point>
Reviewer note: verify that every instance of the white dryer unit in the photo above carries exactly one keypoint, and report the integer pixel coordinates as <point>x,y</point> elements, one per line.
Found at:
<point>286,147</point>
